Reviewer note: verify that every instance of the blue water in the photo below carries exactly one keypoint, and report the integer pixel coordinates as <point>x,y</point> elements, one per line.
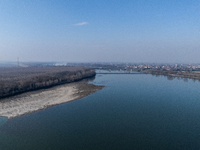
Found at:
<point>132,112</point>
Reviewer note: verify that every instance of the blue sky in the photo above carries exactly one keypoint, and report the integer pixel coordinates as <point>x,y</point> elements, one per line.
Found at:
<point>151,31</point>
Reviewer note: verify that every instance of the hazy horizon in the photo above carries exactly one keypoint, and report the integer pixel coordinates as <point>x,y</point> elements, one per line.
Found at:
<point>100,31</point>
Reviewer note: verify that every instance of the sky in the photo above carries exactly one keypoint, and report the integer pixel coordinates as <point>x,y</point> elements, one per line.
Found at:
<point>153,31</point>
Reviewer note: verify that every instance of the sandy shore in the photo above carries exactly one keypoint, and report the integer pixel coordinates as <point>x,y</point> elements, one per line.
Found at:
<point>41,99</point>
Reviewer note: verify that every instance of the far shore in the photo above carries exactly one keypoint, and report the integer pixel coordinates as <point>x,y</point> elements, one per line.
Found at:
<point>182,74</point>
<point>37,100</point>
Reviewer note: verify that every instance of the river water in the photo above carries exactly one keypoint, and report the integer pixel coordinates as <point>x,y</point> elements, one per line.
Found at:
<point>133,111</point>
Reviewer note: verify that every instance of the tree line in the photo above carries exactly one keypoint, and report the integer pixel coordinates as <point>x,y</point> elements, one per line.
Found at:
<point>18,80</point>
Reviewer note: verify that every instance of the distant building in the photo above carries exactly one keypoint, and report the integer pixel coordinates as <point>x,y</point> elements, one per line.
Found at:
<point>61,64</point>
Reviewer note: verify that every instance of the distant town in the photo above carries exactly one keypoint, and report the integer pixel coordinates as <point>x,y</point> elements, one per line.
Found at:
<point>191,71</point>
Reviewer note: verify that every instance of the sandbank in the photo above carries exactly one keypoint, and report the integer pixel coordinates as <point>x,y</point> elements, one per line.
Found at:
<point>37,100</point>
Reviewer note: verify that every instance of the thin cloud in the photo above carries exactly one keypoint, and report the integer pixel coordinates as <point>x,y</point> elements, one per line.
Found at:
<point>81,24</point>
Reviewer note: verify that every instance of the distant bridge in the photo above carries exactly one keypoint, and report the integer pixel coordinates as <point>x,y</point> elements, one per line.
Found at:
<point>117,73</point>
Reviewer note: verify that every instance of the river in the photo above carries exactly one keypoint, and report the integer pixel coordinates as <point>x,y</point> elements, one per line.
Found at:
<point>133,111</point>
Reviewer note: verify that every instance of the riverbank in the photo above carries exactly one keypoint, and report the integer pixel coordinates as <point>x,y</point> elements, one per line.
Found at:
<point>37,100</point>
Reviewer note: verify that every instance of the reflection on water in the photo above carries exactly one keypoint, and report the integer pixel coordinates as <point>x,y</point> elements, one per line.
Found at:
<point>194,80</point>
<point>172,78</point>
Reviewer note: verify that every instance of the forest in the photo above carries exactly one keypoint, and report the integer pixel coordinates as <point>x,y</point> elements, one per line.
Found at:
<point>19,80</point>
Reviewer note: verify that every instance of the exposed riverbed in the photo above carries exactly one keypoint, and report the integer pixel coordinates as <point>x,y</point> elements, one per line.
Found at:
<point>41,99</point>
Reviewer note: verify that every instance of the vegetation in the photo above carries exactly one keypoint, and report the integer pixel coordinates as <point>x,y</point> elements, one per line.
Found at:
<point>18,80</point>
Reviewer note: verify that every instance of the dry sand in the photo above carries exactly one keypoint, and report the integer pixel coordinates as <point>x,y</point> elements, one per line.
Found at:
<point>41,99</point>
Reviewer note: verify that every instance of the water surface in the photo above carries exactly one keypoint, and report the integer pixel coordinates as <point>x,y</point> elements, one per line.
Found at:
<point>3,120</point>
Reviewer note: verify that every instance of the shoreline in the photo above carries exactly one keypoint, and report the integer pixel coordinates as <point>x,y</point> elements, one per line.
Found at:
<point>29,102</point>
<point>181,74</point>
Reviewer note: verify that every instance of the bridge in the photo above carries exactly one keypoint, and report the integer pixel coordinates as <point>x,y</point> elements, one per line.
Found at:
<point>117,73</point>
